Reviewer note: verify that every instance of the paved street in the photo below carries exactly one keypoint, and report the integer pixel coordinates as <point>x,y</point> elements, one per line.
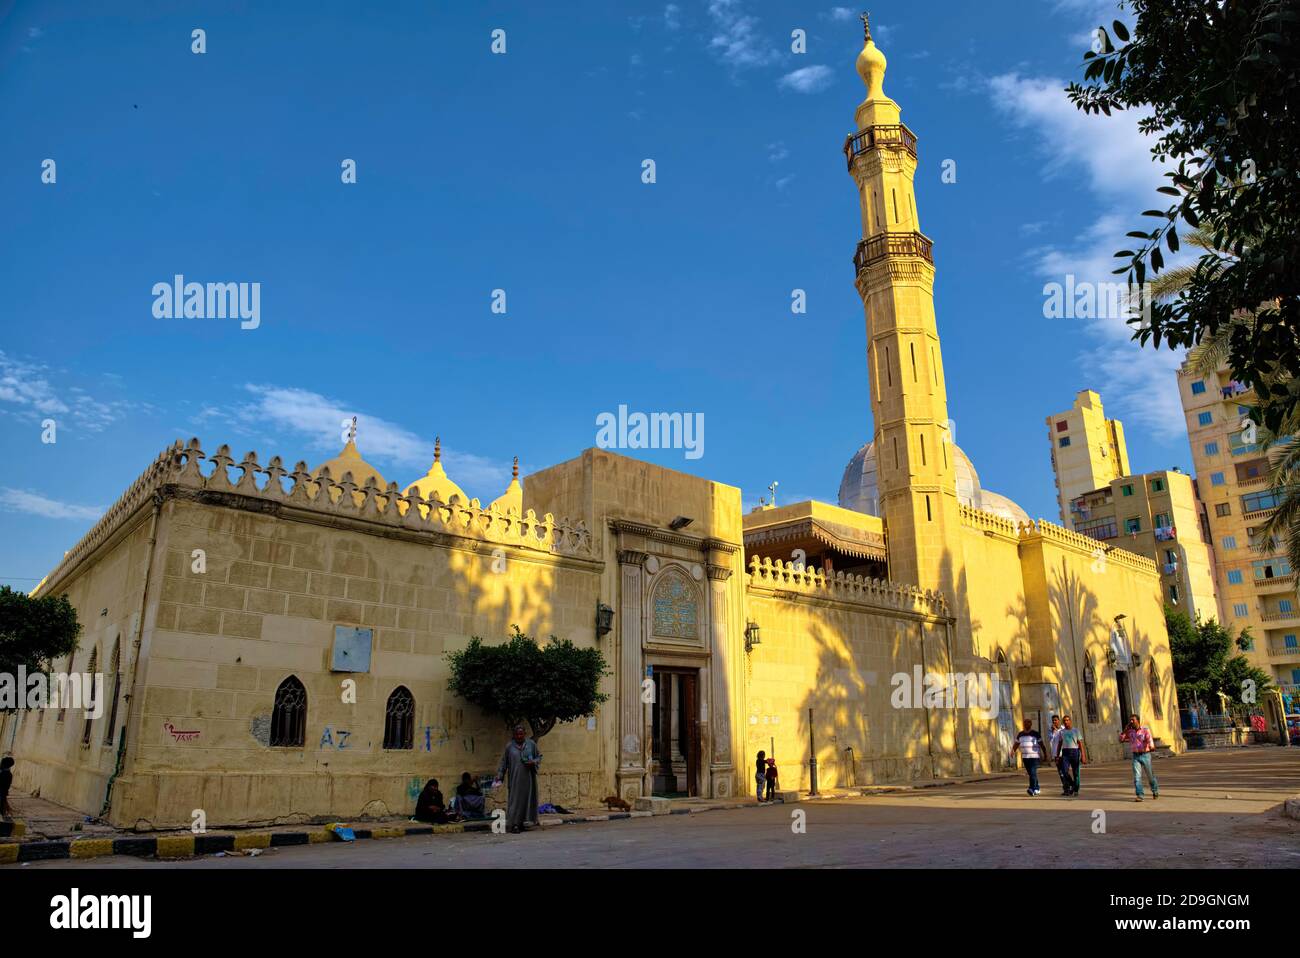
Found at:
<point>1216,809</point>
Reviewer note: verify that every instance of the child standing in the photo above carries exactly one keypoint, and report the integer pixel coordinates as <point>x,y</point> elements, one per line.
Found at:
<point>771,779</point>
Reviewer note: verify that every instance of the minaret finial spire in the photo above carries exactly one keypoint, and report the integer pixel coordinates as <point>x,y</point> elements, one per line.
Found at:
<point>352,430</point>
<point>437,448</point>
<point>866,27</point>
<point>516,470</point>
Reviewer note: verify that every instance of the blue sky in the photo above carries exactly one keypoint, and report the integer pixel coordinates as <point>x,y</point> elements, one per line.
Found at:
<point>522,172</point>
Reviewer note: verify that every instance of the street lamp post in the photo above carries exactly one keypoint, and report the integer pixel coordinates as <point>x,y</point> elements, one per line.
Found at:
<point>812,756</point>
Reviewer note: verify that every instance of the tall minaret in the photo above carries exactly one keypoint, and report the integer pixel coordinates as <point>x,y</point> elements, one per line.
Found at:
<point>915,463</point>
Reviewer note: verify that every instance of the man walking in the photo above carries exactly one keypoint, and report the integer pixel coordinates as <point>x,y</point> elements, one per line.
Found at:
<point>1070,754</point>
<point>1054,750</point>
<point>1139,738</point>
<point>1030,745</point>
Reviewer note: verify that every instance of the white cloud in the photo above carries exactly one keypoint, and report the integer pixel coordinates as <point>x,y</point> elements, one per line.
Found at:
<point>841,13</point>
<point>811,79</point>
<point>776,152</point>
<point>318,420</point>
<point>736,39</point>
<point>24,385</point>
<point>1112,157</point>
<point>672,16</point>
<point>35,504</point>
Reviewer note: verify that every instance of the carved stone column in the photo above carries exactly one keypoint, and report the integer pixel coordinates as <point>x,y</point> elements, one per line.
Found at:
<point>631,710</point>
<point>721,768</point>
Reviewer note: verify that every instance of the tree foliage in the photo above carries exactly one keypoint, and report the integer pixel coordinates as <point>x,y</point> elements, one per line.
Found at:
<point>35,631</point>
<point>522,681</point>
<point>1216,84</point>
<point>1204,659</point>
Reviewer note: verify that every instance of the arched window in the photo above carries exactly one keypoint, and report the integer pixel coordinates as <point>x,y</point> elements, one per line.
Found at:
<point>114,682</point>
<point>289,717</point>
<point>399,719</point>
<point>1090,690</point>
<point>1153,683</point>
<point>88,694</point>
<point>62,687</point>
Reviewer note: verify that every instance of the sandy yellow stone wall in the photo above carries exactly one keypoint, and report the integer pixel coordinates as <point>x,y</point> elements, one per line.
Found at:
<point>266,607</point>
<point>1073,600</point>
<point>834,645</point>
<point>51,758</point>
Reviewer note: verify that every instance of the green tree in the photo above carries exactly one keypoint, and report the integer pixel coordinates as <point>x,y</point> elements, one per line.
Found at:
<point>1283,452</point>
<point>35,631</point>
<point>1216,84</point>
<point>522,681</point>
<point>1204,659</point>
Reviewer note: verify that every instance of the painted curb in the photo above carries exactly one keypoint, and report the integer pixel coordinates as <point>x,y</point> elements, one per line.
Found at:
<point>190,846</point>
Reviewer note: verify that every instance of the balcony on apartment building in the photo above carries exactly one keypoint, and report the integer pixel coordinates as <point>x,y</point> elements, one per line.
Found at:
<point>1283,650</point>
<point>1275,583</point>
<point>1280,617</point>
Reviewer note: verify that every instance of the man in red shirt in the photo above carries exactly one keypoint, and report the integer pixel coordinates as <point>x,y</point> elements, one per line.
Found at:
<point>1139,738</point>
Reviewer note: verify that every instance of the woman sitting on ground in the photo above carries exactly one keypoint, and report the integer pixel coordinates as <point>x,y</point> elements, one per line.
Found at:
<point>429,806</point>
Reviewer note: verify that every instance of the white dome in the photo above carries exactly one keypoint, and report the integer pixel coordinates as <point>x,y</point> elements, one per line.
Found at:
<point>859,492</point>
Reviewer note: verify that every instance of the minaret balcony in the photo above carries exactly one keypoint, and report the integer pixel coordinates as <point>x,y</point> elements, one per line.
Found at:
<point>883,245</point>
<point>894,136</point>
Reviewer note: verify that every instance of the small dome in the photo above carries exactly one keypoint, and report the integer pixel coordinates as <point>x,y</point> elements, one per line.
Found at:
<point>512,500</point>
<point>859,491</point>
<point>436,483</point>
<point>349,460</point>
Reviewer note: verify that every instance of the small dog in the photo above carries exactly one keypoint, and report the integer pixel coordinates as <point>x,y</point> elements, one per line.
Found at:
<point>614,802</point>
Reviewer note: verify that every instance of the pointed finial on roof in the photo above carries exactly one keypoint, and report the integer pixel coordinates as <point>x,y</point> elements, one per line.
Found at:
<point>866,27</point>
<point>437,448</point>
<point>515,473</point>
<point>352,430</point>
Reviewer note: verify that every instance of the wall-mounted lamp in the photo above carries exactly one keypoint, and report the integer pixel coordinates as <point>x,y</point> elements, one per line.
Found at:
<point>1136,660</point>
<point>1111,657</point>
<point>604,619</point>
<point>753,636</point>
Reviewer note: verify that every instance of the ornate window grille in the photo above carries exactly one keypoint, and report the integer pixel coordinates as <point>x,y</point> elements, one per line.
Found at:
<point>399,719</point>
<point>289,717</point>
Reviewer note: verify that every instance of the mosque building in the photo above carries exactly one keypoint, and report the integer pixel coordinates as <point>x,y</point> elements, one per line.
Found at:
<point>233,604</point>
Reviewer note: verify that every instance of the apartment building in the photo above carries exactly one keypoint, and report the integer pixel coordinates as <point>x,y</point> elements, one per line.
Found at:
<point>1156,514</point>
<point>1088,450</point>
<point>1257,587</point>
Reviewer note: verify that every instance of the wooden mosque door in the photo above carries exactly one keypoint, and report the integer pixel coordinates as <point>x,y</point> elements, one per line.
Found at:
<point>691,733</point>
